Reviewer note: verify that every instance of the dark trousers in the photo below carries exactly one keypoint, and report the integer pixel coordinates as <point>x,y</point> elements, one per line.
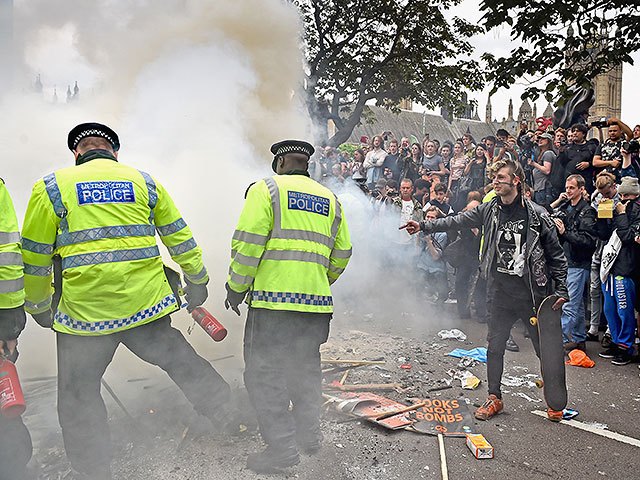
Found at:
<point>15,448</point>
<point>82,361</point>
<point>282,364</point>
<point>465,275</point>
<point>504,313</point>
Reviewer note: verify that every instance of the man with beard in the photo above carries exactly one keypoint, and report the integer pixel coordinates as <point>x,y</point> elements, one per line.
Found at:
<point>522,261</point>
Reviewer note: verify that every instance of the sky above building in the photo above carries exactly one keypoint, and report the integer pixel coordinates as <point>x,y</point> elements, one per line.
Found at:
<point>53,55</point>
<point>499,43</point>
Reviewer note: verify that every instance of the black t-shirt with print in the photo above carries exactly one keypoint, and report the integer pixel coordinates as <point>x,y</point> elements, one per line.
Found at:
<point>610,151</point>
<point>509,266</point>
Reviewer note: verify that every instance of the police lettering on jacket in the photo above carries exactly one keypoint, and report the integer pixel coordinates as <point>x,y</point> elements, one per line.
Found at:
<point>309,203</point>
<point>105,192</point>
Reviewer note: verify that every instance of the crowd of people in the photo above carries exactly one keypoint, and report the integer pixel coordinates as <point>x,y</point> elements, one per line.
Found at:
<point>589,187</point>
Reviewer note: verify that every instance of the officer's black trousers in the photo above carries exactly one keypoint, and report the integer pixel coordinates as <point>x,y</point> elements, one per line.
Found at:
<point>282,364</point>
<point>15,448</point>
<point>82,361</point>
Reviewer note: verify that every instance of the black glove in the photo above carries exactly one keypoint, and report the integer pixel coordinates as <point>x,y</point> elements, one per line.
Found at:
<point>233,299</point>
<point>11,356</point>
<point>195,294</point>
<point>12,321</point>
<point>44,319</point>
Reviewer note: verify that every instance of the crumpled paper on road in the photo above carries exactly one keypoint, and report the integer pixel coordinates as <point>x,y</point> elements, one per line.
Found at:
<point>467,379</point>
<point>453,333</point>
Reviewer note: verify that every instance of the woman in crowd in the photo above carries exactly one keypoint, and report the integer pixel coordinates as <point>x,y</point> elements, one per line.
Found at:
<point>458,164</point>
<point>469,145</point>
<point>542,168</point>
<point>410,164</point>
<point>476,169</point>
<point>355,167</point>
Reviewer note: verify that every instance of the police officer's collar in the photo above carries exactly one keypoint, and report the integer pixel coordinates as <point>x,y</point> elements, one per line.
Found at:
<point>93,154</point>
<point>297,172</point>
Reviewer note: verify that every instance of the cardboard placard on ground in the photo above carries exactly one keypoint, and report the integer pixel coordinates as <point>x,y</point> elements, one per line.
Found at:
<point>366,404</point>
<point>448,417</point>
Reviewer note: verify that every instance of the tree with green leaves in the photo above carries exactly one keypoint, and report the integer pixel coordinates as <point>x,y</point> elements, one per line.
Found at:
<point>561,44</point>
<point>359,51</point>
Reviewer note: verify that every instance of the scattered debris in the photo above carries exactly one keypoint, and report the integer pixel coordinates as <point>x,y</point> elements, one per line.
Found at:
<point>354,362</point>
<point>568,414</point>
<point>467,362</point>
<point>599,426</point>
<point>368,406</point>
<point>578,358</point>
<point>454,333</point>
<point>437,389</point>
<point>527,397</point>
<point>364,387</point>
<point>479,446</point>
<point>510,381</point>
<point>478,353</point>
<point>467,379</point>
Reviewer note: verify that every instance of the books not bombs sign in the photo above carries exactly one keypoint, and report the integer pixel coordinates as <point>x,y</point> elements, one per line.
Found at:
<point>449,417</point>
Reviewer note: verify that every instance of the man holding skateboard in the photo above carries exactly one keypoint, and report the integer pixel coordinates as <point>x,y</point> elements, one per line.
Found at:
<point>522,261</point>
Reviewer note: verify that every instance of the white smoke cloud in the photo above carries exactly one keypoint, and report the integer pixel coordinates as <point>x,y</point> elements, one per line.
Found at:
<point>197,91</point>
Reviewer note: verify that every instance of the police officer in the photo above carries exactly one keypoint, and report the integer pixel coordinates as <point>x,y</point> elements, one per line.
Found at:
<point>15,441</point>
<point>291,243</point>
<point>101,217</point>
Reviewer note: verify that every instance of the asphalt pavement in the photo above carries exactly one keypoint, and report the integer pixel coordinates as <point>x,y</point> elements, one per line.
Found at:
<point>526,446</point>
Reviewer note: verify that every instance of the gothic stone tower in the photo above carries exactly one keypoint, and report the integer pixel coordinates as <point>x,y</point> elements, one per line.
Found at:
<point>608,92</point>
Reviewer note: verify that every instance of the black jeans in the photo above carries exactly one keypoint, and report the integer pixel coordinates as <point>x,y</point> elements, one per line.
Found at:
<point>465,274</point>
<point>282,365</point>
<point>82,361</point>
<point>15,448</point>
<point>504,313</point>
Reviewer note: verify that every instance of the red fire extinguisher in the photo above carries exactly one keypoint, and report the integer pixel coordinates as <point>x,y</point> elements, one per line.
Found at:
<point>209,323</point>
<point>11,398</point>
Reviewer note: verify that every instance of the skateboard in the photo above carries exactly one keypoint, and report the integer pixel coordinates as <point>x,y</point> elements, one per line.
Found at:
<point>551,353</point>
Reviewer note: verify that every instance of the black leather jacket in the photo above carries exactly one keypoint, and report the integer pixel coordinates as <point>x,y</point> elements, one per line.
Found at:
<point>579,237</point>
<point>546,261</point>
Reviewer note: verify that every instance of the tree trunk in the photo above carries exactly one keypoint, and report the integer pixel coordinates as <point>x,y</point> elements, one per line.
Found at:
<point>343,134</point>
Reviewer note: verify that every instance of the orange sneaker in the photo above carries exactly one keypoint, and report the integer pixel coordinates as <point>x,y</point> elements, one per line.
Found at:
<point>554,415</point>
<point>493,406</point>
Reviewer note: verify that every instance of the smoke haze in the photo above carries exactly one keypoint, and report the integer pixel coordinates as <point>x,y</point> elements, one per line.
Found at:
<point>197,92</point>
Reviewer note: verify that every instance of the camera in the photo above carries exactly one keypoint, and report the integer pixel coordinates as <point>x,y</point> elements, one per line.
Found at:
<point>527,143</point>
<point>631,147</point>
<point>559,214</point>
<point>499,143</point>
<point>564,143</point>
<point>602,123</point>
<point>392,193</point>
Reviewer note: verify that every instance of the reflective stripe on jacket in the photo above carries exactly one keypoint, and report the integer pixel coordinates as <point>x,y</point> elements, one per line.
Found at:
<point>101,217</point>
<point>291,243</point>
<point>11,278</point>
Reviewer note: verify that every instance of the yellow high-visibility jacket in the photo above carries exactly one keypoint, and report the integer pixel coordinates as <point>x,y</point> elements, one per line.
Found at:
<point>101,218</point>
<point>291,243</point>
<point>11,277</point>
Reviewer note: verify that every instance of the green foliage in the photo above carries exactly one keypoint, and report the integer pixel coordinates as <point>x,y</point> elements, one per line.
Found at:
<point>383,50</point>
<point>349,148</point>
<point>605,33</point>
